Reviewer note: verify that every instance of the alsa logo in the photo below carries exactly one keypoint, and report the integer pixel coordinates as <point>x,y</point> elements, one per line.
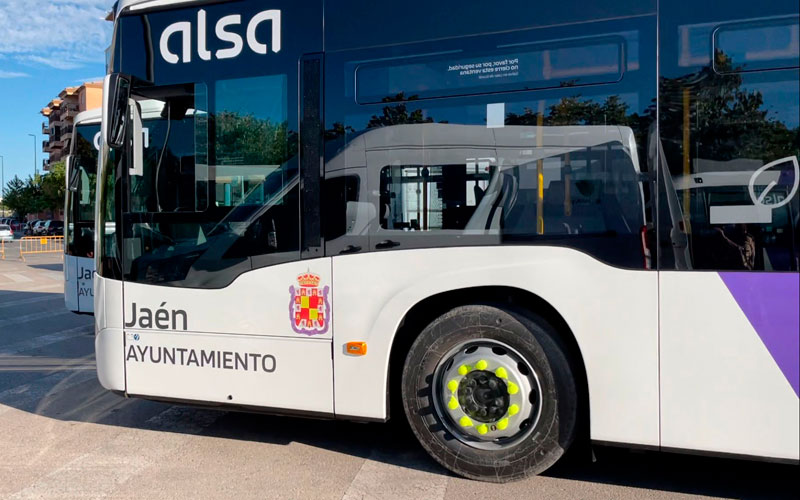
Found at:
<point>309,309</point>
<point>225,30</point>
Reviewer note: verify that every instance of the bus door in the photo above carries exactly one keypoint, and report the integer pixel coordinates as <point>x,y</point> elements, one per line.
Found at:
<point>729,283</point>
<point>79,218</point>
<point>227,297</point>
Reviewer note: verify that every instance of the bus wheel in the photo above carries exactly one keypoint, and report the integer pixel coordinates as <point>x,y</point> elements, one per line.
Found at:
<point>489,393</point>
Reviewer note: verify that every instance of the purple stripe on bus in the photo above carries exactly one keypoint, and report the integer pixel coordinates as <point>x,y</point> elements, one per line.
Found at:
<point>771,302</point>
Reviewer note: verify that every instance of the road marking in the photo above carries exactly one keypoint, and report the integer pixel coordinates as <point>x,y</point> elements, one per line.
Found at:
<point>18,278</point>
<point>53,338</point>
<point>380,478</point>
<point>31,300</point>
<point>32,317</point>
<point>55,276</point>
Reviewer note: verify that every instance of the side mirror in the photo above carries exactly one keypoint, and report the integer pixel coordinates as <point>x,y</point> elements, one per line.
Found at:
<point>73,175</point>
<point>116,93</point>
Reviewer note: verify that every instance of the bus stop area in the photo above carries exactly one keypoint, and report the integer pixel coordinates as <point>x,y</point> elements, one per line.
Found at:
<point>64,436</point>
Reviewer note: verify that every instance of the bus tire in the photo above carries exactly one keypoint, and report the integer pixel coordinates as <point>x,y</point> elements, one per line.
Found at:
<point>457,386</point>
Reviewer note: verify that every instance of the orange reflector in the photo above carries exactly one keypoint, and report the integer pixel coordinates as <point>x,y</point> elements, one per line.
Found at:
<point>356,348</point>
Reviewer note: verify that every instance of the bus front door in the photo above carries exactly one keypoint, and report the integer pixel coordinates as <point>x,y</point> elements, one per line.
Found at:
<point>227,298</point>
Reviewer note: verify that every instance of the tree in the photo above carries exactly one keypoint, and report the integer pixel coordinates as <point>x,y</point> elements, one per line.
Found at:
<point>53,186</point>
<point>397,114</point>
<point>13,199</point>
<point>27,197</point>
<point>247,140</point>
<point>726,120</point>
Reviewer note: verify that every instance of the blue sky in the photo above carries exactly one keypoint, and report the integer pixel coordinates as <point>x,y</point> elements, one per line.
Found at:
<point>45,45</point>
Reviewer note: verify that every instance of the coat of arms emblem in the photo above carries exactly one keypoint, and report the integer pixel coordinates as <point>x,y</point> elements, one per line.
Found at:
<point>309,309</point>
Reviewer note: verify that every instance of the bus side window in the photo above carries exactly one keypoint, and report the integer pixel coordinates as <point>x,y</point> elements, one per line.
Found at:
<point>729,112</point>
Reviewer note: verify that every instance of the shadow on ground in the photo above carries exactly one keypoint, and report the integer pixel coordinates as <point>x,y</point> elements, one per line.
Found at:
<point>48,267</point>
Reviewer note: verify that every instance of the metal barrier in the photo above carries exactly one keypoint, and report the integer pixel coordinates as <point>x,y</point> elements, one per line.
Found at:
<point>40,244</point>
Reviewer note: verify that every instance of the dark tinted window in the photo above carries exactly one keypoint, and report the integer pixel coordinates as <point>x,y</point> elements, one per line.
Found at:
<point>354,23</point>
<point>512,68</point>
<point>81,198</point>
<point>505,164</point>
<point>211,203</point>
<point>758,45</point>
<point>217,190</point>
<point>109,262</point>
<point>730,133</point>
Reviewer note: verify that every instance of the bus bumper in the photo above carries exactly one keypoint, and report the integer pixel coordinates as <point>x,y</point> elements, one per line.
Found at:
<point>109,350</point>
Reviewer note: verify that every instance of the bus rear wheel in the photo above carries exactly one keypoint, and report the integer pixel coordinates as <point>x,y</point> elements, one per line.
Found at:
<point>489,393</point>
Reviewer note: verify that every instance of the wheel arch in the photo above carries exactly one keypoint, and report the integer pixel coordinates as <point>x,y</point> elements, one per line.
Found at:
<point>522,301</point>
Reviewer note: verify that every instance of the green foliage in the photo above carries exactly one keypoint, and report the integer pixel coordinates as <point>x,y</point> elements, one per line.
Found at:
<point>247,140</point>
<point>38,193</point>
<point>53,186</point>
<point>13,199</point>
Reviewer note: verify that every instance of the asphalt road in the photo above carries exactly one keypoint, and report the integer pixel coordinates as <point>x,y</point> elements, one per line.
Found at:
<point>64,436</point>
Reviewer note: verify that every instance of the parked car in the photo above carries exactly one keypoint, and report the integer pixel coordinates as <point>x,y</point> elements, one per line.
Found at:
<point>6,234</point>
<point>39,228</point>
<point>54,228</point>
<point>14,223</point>
<point>27,228</point>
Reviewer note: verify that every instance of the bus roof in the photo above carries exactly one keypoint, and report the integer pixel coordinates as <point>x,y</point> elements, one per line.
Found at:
<point>147,4</point>
<point>89,116</point>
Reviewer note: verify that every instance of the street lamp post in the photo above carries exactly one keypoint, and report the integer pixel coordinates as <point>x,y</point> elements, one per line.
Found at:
<point>35,169</point>
<point>3,183</point>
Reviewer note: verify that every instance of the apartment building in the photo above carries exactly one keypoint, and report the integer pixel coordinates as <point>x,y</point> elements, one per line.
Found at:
<point>60,113</point>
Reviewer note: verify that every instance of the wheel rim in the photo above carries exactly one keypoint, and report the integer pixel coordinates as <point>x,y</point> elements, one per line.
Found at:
<point>486,394</point>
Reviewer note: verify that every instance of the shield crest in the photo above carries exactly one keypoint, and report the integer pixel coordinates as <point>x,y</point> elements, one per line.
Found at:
<point>309,310</point>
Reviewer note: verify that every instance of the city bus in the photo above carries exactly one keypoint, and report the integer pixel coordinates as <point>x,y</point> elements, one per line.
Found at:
<point>79,204</point>
<point>521,230</point>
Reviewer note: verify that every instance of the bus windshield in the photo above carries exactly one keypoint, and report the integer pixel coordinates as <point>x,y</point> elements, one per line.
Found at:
<point>81,195</point>
<point>215,188</point>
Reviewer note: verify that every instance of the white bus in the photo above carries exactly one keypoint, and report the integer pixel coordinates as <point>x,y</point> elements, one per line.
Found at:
<point>81,175</point>
<point>477,222</point>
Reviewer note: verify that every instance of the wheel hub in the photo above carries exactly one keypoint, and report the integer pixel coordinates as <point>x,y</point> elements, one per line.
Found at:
<point>483,396</point>
<point>487,394</point>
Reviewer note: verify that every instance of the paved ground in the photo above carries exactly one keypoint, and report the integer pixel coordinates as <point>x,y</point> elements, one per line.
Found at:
<point>63,436</point>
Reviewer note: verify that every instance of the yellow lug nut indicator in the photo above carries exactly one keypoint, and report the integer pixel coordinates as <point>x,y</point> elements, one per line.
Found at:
<point>453,403</point>
<point>481,365</point>
<point>513,410</point>
<point>502,424</point>
<point>501,373</point>
<point>465,421</point>
<point>482,429</point>
<point>463,370</point>
<point>512,387</point>
<point>453,386</point>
